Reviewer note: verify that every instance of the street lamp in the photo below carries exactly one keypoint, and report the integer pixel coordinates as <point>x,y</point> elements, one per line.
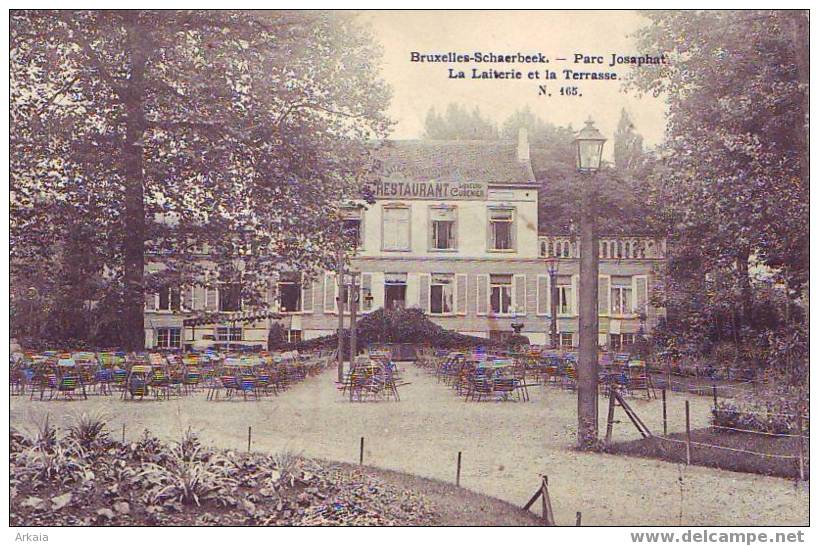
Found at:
<point>589,143</point>
<point>552,269</point>
<point>589,147</point>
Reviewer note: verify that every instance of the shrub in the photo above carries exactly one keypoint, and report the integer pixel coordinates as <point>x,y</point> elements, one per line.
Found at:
<point>399,326</point>
<point>89,431</point>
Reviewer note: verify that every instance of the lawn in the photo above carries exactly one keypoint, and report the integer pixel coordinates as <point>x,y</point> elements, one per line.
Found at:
<point>506,447</point>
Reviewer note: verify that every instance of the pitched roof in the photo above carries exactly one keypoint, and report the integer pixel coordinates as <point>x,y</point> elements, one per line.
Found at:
<point>490,161</point>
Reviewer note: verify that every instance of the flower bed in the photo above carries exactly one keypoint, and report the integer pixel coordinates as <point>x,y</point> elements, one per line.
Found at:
<point>85,478</point>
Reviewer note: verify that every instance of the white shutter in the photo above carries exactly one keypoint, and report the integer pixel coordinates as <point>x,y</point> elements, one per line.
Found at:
<point>482,295</point>
<point>197,298</point>
<point>423,293</point>
<point>575,295</point>
<point>544,295</point>
<point>461,295</point>
<point>639,289</point>
<point>307,295</point>
<point>330,289</point>
<point>519,293</point>
<point>604,295</point>
<point>150,301</point>
<point>212,299</point>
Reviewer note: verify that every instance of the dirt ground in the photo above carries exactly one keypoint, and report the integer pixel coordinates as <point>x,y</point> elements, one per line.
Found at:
<point>506,446</point>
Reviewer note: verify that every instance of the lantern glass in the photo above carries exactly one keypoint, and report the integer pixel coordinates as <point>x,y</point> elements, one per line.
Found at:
<point>589,144</point>
<point>588,154</point>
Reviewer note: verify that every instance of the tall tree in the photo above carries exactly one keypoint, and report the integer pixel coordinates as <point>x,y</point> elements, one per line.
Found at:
<point>628,144</point>
<point>735,180</point>
<point>457,123</point>
<point>170,130</point>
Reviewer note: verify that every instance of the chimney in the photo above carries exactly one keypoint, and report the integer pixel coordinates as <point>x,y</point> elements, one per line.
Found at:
<point>523,144</point>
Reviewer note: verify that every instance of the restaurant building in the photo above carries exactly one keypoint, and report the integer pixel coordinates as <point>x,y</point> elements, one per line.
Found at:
<point>454,232</point>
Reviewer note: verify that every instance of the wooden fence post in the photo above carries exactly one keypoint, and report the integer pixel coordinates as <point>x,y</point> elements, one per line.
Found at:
<point>610,422</point>
<point>123,433</point>
<point>687,433</point>
<point>665,416</point>
<point>800,453</point>
<point>361,452</point>
<point>577,519</point>
<point>458,471</point>
<point>714,390</point>
<point>546,502</point>
<point>248,439</point>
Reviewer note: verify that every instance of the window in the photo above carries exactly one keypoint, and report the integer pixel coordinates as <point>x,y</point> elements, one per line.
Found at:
<point>564,295</point>
<point>169,299</point>
<point>395,290</point>
<point>168,338</point>
<point>619,342</point>
<point>500,296</point>
<point>289,288</point>
<point>501,229</point>
<point>441,294</point>
<point>566,340</point>
<point>293,336</point>
<point>621,300</point>
<point>230,297</point>
<point>442,228</point>
<point>229,334</point>
<point>396,228</point>
<point>352,226</point>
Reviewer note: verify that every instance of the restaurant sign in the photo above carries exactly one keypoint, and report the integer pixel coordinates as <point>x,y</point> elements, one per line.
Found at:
<point>429,190</point>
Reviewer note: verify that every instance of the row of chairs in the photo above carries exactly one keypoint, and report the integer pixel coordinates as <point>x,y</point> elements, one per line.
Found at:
<point>53,375</point>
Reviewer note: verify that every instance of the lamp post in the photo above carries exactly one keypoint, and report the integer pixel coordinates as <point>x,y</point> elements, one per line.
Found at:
<point>552,269</point>
<point>354,299</point>
<point>340,304</point>
<point>589,146</point>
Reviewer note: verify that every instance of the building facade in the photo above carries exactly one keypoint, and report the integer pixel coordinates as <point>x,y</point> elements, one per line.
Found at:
<point>454,232</point>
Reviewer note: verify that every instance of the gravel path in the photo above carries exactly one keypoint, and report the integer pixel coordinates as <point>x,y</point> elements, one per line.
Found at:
<point>505,445</point>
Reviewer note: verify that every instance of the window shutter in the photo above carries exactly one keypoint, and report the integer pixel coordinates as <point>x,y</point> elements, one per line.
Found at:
<point>544,295</point>
<point>150,301</point>
<point>330,293</point>
<point>212,299</point>
<point>640,296</point>
<point>366,290</point>
<point>461,298</point>
<point>575,295</point>
<point>603,295</point>
<point>489,242</point>
<point>307,296</point>
<point>198,301</point>
<point>423,293</point>
<point>513,231</point>
<point>482,306</point>
<point>519,291</point>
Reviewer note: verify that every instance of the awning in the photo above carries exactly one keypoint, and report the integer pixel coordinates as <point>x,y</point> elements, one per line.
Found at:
<point>234,317</point>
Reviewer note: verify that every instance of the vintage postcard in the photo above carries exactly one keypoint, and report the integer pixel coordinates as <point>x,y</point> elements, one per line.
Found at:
<point>410,268</point>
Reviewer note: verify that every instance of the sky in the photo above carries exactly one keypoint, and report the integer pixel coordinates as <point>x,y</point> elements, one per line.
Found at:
<point>417,87</point>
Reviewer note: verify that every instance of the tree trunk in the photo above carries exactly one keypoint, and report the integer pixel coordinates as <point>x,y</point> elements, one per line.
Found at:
<point>746,293</point>
<point>588,321</point>
<point>134,217</point>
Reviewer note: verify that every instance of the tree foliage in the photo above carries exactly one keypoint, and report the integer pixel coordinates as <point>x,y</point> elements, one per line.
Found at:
<point>163,133</point>
<point>734,178</point>
<point>730,185</point>
<point>457,123</point>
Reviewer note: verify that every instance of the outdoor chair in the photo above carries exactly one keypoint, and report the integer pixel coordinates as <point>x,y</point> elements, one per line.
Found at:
<point>137,384</point>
